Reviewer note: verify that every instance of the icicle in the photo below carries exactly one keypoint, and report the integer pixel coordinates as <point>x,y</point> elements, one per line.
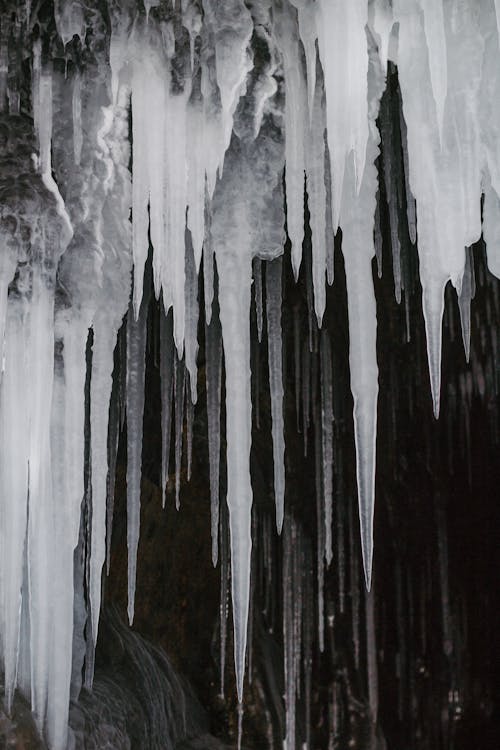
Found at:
<point>274,339</point>
<point>464,300</point>
<point>381,21</point>
<point>67,465</point>
<point>179,389</point>
<point>166,380</point>
<point>14,432</point>
<point>491,229</point>
<point>357,218</point>
<point>208,274</point>
<point>327,440</point>
<point>196,178</point>
<point>295,104</point>
<point>40,525</point>
<point>100,394</point>
<point>136,367</point>
<point>148,104</point>
<point>344,57</point>
<point>316,195</point>
<point>189,428</point>
<point>257,289</point>
<point>436,45</point>
<point>213,374</point>
<point>437,166</point>
<point>234,300</point>
<point>308,35</point>
<point>191,327</point>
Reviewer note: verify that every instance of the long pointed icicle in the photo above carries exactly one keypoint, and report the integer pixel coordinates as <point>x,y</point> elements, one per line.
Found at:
<point>464,301</point>
<point>234,297</point>
<point>275,358</point>
<point>136,370</point>
<point>357,218</point>
<point>101,384</point>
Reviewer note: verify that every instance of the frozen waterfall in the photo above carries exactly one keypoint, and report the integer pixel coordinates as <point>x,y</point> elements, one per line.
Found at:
<point>161,153</point>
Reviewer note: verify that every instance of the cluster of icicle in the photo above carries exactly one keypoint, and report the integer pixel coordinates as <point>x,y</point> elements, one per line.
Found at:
<point>224,96</point>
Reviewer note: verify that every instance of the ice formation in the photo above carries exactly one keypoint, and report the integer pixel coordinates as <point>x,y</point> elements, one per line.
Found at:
<point>151,142</point>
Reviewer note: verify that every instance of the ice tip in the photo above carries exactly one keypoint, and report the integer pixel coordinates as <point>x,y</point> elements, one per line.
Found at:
<point>130,612</point>
<point>279,520</point>
<point>367,567</point>
<point>215,554</point>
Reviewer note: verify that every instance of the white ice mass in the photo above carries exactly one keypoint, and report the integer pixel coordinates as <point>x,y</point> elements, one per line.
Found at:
<point>178,135</point>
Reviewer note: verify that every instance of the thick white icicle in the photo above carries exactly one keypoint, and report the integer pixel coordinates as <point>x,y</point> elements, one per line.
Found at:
<point>234,298</point>
<point>316,194</point>
<point>14,432</point>
<point>274,346</point>
<point>357,219</point>
<point>40,518</point>
<point>295,122</point>
<point>344,57</point>
<point>100,393</point>
<point>436,46</point>
<point>308,35</point>
<point>381,21</point>
<point>192,311</point>
<point>141,84</point>
<point>257,290</point>
<point>464,300</point>
<point>491,230</point>
<point>444,174</point>
<point>67,457</point>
